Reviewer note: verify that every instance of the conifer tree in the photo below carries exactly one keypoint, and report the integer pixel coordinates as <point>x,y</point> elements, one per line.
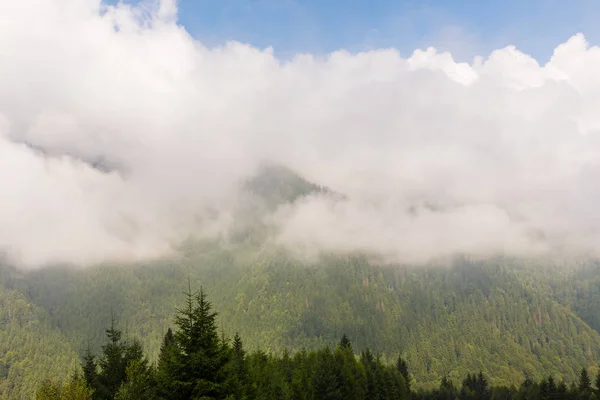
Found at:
<point>402,367</point>
<point>585,383</point>
<point>112,363</point>
<point>240,370</point>
<point>352,374</point>
<point>345,343</point>
<point>139,385</point>
<point>90,371</point>
<point>168,369</point>
<point>202,355</point>
<point>326,380</point>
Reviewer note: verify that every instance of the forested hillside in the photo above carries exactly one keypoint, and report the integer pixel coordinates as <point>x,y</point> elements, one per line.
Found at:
<point>196,362</point>
<point>490,316</point>
<point>30,349</point>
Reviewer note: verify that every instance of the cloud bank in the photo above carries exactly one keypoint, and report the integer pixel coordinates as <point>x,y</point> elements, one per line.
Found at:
<point>121,135</point>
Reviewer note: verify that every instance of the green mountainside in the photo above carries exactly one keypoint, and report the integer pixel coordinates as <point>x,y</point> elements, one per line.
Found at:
<point>471,316</point>
<point>30,348</point>
<point>509,318</point>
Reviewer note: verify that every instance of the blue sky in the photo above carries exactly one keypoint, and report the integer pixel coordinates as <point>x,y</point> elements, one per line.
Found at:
<point>465,27</point>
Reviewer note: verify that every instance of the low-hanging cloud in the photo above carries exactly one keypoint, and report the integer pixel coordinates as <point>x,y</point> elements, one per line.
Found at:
<point>121,135</point>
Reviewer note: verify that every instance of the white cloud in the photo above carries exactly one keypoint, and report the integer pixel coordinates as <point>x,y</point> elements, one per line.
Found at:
<point>436,157</point>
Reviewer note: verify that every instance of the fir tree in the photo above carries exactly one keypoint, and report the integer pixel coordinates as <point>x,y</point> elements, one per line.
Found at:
<point>202,355</point>
<point>90,371</point>
<point>345,343</point>
<point>168,370</point>
<point>402,367</point>
<point>585,383</point>
<point>326,380</point>
<point>112,363</point>
<point>240,384</point>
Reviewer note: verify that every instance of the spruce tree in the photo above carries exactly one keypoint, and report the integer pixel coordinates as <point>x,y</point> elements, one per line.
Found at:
<point>327,379</point>
<point>112,364</point>
<point>202,355</point>
<point>402,367</point>
<point>585,383</point>
<point>345,343</point>
<point>168,369</point>
<point>90,371</point>
<point>240,384</point>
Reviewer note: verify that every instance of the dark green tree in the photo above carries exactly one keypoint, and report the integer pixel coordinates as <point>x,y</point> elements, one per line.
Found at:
<point>327,377</point>
<point>351,374</point>
<point>402,367</point>
<point>475,387</point>
<point>202,357</point>
<point>90,371</point>
<point>345,343</point>
<point>112,364</point>
<point>240,381</point>
<point>169,369</point>
<point>585,383</point>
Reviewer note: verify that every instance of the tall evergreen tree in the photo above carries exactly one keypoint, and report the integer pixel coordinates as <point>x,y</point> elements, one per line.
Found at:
<point>90,371</point>
<point>112,364</point>
<point>202,355</point>
<point>240,385</point>
<point>326,379</point>
<point>168,369</point>
<point>351,374</point>
<point>402,367</point>
<point>345,343</point>
<point>585,383</point>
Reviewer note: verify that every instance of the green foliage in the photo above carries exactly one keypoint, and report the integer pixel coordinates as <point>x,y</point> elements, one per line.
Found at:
<point>201,356</point>
<point>30,348</point>
<point>74,389</point>
<point>201,365</point>
<point>139,384</point>
<point>402,367</point>
<point>503,317</point>
<point>585,383</point>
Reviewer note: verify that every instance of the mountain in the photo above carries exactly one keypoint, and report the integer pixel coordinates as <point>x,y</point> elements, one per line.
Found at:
<point>509,318</point>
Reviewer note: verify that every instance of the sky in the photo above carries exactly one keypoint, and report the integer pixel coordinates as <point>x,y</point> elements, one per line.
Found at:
<point>464,27</point>
<point>126,129</point>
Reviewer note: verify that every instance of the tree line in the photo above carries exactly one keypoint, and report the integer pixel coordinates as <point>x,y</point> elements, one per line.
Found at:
<point>198,362</point>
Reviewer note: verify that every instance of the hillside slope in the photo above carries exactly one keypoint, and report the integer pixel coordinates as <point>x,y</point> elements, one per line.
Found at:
<point>30,349</point>
<point>452,320</point>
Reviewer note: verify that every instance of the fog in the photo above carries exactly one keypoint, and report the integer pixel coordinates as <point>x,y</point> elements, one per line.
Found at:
<point>121,136</point>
